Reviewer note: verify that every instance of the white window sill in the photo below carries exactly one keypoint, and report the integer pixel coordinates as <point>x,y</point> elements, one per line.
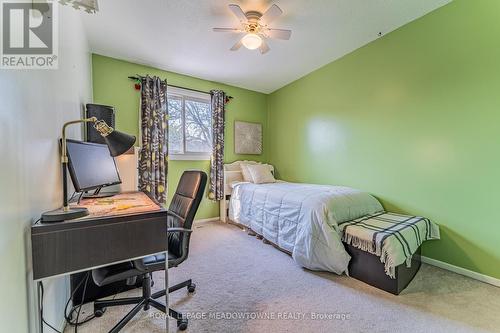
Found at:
<point>189,157</point>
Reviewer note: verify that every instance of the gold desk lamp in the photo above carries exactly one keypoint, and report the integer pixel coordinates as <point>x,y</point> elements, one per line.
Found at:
<point>118,143</point>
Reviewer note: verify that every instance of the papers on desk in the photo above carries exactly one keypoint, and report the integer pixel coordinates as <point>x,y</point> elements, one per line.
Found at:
<point>119,204</point>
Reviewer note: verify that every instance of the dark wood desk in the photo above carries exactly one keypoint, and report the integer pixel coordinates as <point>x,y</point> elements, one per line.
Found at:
<point>126,226</point>
<point>108,235</point>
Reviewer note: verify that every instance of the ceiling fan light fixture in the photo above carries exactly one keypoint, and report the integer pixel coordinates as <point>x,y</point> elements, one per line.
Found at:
<point>255,25</point>
<point>252,41</point>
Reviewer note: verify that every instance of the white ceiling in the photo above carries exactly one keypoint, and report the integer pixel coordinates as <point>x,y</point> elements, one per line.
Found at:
<point>176,35</point>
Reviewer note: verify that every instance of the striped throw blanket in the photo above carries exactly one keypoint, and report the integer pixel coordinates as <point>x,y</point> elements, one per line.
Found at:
<point>393,237</point>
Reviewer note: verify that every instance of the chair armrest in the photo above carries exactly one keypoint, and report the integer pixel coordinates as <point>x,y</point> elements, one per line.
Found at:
<point>179,230</point>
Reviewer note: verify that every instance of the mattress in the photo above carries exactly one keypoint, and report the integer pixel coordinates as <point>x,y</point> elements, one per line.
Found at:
<point>302,218</point>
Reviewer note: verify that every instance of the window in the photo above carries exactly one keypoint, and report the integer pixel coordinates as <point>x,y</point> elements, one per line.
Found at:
<point>189,124</point>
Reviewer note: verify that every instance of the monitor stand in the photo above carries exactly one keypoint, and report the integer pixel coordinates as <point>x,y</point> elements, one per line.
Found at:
<point>97,194</point>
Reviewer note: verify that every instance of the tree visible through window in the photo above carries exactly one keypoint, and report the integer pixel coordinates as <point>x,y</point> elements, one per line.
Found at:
<point>190,124</point>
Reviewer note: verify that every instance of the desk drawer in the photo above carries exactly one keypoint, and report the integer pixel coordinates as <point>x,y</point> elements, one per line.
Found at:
<point>70,247</point>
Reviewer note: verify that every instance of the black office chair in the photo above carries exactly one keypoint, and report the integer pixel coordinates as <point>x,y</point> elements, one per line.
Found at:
<point>180,218</point>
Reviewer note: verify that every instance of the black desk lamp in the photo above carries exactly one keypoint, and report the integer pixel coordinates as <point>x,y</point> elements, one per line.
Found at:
<point>118,144</point>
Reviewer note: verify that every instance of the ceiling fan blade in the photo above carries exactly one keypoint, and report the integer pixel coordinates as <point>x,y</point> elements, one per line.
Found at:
<point>236,46</point>
<point>238,12</point>
<point>270,15</point>
<point>279,33</point>
<point>226,30</point>
<point>264,48</point>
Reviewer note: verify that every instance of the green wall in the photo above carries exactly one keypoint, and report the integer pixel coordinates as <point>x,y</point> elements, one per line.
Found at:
<point>414,118</point>
<point>112,87</point>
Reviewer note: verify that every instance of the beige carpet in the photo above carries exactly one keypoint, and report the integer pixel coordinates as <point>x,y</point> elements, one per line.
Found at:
<point>238,278</point>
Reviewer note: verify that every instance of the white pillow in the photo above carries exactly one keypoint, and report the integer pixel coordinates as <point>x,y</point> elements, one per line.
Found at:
<point>261,173</point>
<point>270,168</point>
<point>247,176</point>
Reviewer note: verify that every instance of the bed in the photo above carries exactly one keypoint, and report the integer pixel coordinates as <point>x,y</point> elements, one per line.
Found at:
<point>301,219</point>
<point>328,228</point>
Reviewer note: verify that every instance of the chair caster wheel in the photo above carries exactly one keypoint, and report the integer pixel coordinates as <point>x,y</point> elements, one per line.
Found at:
<point>182,324</point>
<point>191,287</point>
<point>99,312</point>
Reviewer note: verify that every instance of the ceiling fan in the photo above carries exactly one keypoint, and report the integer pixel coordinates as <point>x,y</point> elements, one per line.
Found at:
<point>255,26</point>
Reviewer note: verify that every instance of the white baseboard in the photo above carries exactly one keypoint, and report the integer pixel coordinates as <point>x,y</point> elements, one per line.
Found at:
<point>210,219</point>
<point>462,271</point>
<point>62,325</point>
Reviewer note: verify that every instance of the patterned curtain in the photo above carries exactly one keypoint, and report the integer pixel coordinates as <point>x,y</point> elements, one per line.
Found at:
<point>217,161</point>
<point>153,160</point>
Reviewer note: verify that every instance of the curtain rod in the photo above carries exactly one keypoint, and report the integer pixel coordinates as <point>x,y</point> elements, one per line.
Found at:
<point>138,78</point>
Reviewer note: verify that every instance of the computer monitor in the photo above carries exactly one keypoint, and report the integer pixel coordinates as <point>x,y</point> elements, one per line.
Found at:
<point>91,166</point>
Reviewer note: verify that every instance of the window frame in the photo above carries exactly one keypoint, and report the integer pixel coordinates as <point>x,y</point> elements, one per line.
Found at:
<point>195,96</point>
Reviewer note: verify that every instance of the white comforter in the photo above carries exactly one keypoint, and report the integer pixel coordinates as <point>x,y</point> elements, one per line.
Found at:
<point>302,218</point>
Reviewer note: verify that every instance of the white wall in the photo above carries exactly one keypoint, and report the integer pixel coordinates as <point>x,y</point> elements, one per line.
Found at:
<point>33,106</point>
